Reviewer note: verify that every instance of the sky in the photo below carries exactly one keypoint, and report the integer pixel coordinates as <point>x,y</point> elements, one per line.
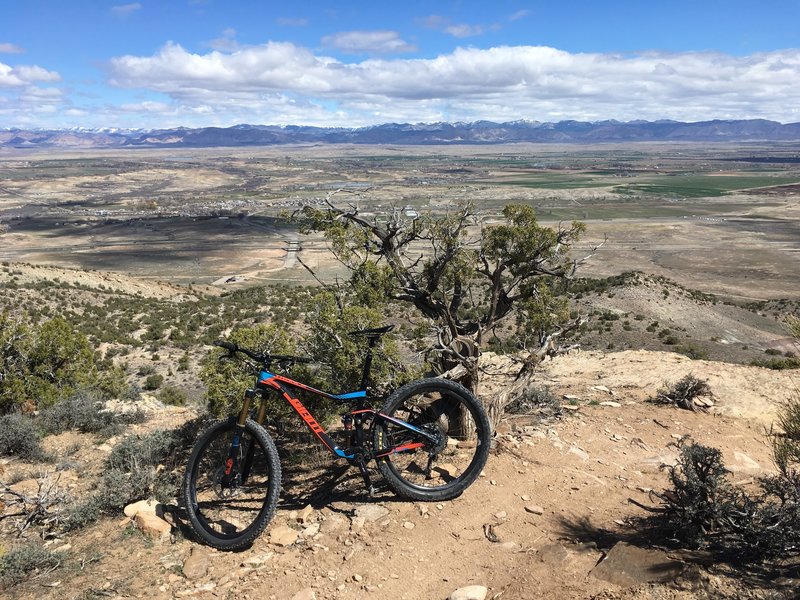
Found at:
<point>166,63</point>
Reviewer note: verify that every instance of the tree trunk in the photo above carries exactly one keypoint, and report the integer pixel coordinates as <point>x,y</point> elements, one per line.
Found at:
<point>464,370</point>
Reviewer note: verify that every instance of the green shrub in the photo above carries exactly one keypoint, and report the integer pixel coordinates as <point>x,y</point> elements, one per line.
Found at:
<point>777,364</point>
<point>786,443</point>
<point>692,351</point>
<point>172,396</point>
<point>20,437</point>
<point>153,382</point>
<point>19,562</point>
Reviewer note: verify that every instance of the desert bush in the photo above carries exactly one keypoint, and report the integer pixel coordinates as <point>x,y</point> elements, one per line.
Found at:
<point>683,393</point>
<point>82,411</point>
<point>692,351</point>
<point>701,497</point>
<point>153,382</point>
<point>172,396</point>
<point>786,443</point>
<point>704,510</point>
<point>23,560</point>
<point>139,467</point>
<point>20,437</point>
<point>533,399</point>
<point>777,364</point>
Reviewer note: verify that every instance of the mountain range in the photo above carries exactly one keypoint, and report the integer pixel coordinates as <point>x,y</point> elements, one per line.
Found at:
<point>479,132</point>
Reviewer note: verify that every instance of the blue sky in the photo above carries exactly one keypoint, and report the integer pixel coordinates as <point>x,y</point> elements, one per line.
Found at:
<point>164,63</point>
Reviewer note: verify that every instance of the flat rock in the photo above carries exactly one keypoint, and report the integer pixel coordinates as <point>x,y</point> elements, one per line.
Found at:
<point>371,512</point>
<point>282,535</point>
<point>334,523</point>
<point>150,506</point>
<point>579,452</point>
<point>743,464</point>
<point>470,592</point>
<point>196,566</point>
<point>627,566</point>
<point>152,526</point>
<point>534,509</point>
<point>553,554</point>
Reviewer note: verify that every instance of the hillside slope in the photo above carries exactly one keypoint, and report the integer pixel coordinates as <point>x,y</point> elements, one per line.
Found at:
<point>551,505</point>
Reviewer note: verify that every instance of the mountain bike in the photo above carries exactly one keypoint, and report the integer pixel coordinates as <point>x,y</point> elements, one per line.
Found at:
<point>430,441</point>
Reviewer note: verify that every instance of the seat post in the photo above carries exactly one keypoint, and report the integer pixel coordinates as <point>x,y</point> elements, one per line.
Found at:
<point>368,362</point>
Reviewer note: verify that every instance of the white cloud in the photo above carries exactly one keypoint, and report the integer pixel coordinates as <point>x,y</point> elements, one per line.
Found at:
<point>283,83</point>
<point>125,10</point>
<point>367,42</point>
<point>24,75</point>
<point>525,79</point>
<point>9,48</point>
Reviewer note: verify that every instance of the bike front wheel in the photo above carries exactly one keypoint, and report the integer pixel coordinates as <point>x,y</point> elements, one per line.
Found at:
<point>231,489</point>
<point>443,463</point>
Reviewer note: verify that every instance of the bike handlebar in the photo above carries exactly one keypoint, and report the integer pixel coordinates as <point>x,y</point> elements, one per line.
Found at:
<point>233,348</point>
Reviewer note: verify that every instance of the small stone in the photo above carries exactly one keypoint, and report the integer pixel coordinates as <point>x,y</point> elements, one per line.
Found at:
<point>525,497</point>
<point>534,509</point>
<point>152,526</point>
<point>304,516</point>
<point>510,546</point>
<point>196,566</point>
<point>611,404</point>
<point>571,397</point>
<point>257,560</point>
<point>63,548</point>
<point>470,592</point>
<point>408,525</point>
<point>311,530</point>
<point>305,594</point>
<point>357,577</point>
<point>500,515</point>
<point>282,535</point>
<point>447,469</point>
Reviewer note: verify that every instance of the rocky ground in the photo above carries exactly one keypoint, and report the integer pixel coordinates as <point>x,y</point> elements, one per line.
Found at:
<point>549,518</point>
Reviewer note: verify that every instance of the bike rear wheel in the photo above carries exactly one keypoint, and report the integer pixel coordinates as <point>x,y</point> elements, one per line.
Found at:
<point>229,511</point>
<point>417,468</point>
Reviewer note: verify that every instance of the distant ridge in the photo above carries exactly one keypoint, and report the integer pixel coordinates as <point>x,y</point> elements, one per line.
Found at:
<point>479,132</point>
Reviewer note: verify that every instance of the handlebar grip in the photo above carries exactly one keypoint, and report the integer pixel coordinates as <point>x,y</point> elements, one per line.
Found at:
<point>229,346</point>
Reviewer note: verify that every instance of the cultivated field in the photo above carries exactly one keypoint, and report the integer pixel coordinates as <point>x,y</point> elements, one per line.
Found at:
<point>722,218</point>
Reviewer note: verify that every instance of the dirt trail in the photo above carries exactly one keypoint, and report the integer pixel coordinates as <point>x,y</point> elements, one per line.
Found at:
<point>552,501</point>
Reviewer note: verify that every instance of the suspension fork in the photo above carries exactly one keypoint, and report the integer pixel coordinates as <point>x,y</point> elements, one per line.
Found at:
<point>232,466</point>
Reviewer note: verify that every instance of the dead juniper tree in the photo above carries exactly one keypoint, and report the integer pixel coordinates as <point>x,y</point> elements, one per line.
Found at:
<point>466,274</point>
